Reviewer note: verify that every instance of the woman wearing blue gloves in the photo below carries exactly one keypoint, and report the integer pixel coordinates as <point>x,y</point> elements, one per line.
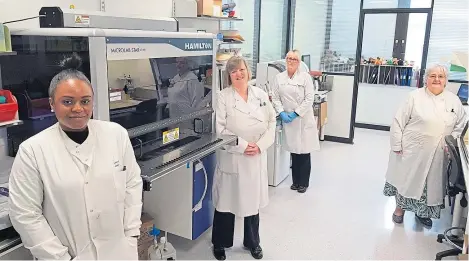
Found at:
<point>293,97</point>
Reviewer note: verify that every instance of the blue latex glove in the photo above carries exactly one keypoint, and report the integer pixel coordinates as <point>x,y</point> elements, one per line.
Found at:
<point>285,117</point>
<point>292,115</point>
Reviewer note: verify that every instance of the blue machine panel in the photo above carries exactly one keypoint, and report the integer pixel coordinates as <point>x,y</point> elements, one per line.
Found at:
<point>202,218</point>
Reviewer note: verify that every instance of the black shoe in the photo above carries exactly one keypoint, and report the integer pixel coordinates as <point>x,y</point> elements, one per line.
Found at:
<point>425,221</point>
<point>302,189</point>
<point>294,187</point>
<point>219,253</point>
<point>397,219</point>
<point>256,252</point>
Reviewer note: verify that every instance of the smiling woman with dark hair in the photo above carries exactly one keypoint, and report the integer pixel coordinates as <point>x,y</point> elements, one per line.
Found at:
<point>75,188</point>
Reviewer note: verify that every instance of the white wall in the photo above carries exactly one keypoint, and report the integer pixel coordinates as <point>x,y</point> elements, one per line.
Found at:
<point>140,8</point>
<point>377,104</point>
<point>18,9</point>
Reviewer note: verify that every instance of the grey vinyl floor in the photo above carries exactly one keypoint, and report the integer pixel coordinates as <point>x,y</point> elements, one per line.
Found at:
<point>343,215</point>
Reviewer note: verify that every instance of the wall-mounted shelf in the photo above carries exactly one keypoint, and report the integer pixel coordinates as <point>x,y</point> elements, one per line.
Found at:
<point>7,53</point>
<point>7,124</point>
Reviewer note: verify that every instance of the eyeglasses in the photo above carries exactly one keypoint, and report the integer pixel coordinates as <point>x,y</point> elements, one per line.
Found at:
<point>292,59</point>
<point>434,76</point>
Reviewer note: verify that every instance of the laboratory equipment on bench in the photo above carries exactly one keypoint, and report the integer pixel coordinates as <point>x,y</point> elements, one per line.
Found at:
<point>278,167</point>
<point>156,84</point>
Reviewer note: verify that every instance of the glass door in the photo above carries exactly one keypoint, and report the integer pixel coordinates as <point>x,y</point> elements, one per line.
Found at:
<point>392,53</point>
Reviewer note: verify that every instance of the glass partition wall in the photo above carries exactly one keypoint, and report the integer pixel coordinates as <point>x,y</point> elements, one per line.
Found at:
<point>392,49</point>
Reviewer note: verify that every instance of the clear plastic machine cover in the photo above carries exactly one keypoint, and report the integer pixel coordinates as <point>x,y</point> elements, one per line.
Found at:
<point>146,91</point>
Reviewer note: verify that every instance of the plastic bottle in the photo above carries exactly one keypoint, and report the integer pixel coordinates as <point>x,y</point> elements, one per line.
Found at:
<point>162,250</point>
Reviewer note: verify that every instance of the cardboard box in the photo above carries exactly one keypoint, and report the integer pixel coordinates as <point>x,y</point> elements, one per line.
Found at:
<point>209,7</point>
<point>323,113</point>
<point>146,239</point>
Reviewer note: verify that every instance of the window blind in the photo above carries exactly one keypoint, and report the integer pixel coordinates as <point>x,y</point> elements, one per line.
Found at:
<point>449,35</point>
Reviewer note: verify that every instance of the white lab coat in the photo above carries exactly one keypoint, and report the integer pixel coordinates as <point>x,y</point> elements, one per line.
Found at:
<point>185,95</point>
<point>77,201</point>
<point>240,184</point>
<point>418,130</point>
<point>297,94</point>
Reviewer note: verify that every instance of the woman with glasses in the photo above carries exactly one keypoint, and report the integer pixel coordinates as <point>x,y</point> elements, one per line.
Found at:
<point>293,97</point>
<point>418,130</point>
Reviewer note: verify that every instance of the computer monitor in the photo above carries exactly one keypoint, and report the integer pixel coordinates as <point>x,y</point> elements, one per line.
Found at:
<point>463,93</point>
<point>306,59</point>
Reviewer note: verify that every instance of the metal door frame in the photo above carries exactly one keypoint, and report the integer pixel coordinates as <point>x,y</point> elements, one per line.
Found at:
<point>361,24</point>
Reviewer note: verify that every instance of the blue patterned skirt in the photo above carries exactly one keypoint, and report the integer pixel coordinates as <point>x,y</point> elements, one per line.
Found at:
<point>419,207</point>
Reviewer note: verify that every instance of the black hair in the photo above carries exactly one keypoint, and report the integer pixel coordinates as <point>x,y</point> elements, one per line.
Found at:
<point>70,70</point>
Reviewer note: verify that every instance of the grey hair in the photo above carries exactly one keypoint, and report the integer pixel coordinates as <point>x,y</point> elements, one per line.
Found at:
<point>296,52</point>
<point>432,68</point>
<point>233,63</point>
<point>71,65</point>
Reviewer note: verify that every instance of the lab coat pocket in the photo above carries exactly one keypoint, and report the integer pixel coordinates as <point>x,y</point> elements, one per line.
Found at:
<point>300,92</point>
<point>309,120</point>
<point>450,118</point>
<point>226,162</point>
<point>120,180</point>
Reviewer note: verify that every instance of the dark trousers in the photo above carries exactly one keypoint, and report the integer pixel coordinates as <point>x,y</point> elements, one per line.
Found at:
<point>301,169</point>
<point>223,230</point>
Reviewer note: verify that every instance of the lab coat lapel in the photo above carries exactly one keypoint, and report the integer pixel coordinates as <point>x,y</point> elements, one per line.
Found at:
<point>83,152</point>
<point>251,107</point>
<point>256,108</point>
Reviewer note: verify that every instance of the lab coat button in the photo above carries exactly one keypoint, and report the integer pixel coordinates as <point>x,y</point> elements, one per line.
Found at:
<point>91,211</point>
<point>86,183</point>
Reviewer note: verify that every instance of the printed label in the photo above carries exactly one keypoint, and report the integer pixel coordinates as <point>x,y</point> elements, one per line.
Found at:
<point>82,20</point>
<point>170,135</point>
<point>115,96</point>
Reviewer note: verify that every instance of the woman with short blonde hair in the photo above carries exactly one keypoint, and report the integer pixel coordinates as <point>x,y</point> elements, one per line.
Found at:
<point>240,186</point>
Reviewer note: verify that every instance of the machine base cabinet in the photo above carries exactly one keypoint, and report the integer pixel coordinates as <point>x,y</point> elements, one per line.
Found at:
<point>181,201</point>
<point>278,159</point>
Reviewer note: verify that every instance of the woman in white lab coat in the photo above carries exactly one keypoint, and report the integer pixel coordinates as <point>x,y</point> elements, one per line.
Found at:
<point>240,186</point>
<point>75,188</point>
<point>415,171</point>
<point>293,98</point>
